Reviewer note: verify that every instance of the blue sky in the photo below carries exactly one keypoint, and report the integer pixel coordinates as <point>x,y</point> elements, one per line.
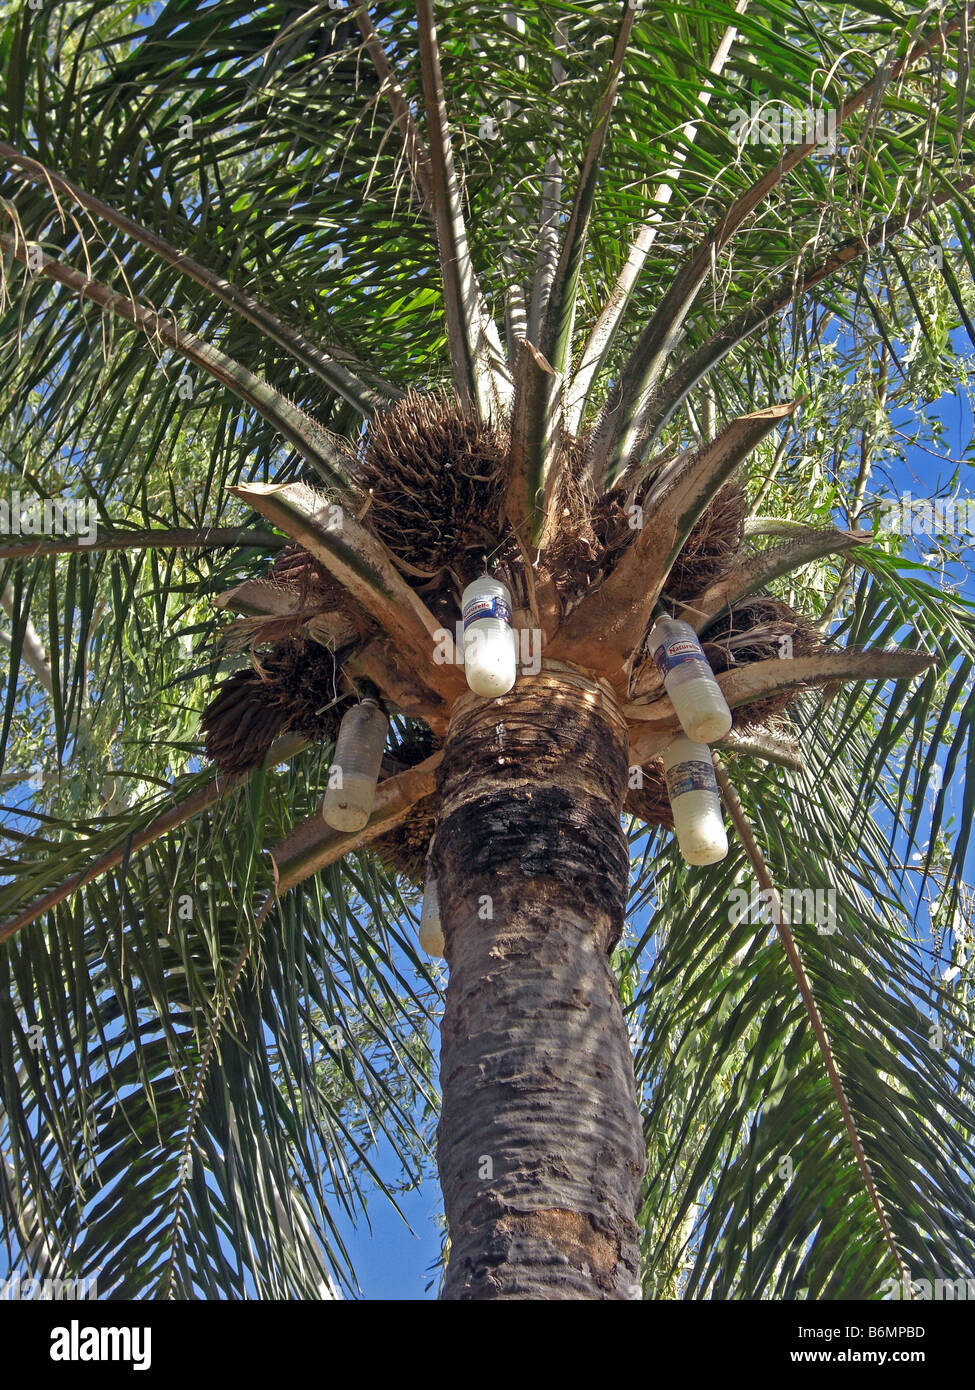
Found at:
<point>924,475</point>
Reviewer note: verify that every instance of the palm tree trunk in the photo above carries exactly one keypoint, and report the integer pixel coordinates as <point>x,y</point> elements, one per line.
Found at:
<point>540,1144</point>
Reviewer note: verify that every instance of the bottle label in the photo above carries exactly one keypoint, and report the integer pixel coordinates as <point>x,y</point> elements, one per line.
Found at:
<point>488,606</point>
<point>669,655</point>
<point>690,777</point>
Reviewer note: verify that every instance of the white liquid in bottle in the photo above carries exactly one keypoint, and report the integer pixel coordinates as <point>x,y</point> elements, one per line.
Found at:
<point>490,647</point>
<point>689,681</point>
<point>431,932</point>
<point>355,767</point>
<point>695,801</point>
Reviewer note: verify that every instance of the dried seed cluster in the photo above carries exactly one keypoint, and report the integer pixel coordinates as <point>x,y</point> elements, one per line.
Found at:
<point>286,690</point>
<point>435,475</point>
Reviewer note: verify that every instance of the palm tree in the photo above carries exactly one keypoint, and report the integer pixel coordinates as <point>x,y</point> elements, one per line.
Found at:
<point>614,301</point>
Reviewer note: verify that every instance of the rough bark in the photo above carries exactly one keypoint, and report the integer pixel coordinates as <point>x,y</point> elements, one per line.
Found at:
<point>540,1144</point>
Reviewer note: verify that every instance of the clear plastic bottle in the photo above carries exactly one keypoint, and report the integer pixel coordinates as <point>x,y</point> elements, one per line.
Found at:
<point>689,681</point>
<point>355,767</point>
<point>431,932</point>
<point>695,801</point>
<point>490,646</point>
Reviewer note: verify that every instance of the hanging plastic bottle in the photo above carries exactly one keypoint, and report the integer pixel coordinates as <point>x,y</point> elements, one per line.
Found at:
<point>431,932</point>
<point>695,801</point>
<point>355,767</point>
<point>689,681</point>
<point>490,647</point>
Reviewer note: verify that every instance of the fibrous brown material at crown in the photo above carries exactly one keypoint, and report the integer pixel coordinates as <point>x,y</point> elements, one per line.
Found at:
<point>405,848</point>
<point>296,680</point>
<point>295,569</point>
<point>760,628</point>
<point>594,531</point>
<point>712,547</point>
<point>650,803</point>
<point>590,531</point>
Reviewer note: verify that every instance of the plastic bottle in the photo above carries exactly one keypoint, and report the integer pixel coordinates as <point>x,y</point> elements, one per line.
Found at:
<point>689,681</point>
<point>431,932</point>
<point>355,767</point>
<point>695,801</point>
<point>490,647</point>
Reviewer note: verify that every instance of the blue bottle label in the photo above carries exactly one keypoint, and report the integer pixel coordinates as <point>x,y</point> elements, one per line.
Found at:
<point>691,777</point>
<point>487,606</point>
<point>669,655</point>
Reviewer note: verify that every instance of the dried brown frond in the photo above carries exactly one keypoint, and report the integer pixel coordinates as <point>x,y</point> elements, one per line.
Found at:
<point>244,634</point>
